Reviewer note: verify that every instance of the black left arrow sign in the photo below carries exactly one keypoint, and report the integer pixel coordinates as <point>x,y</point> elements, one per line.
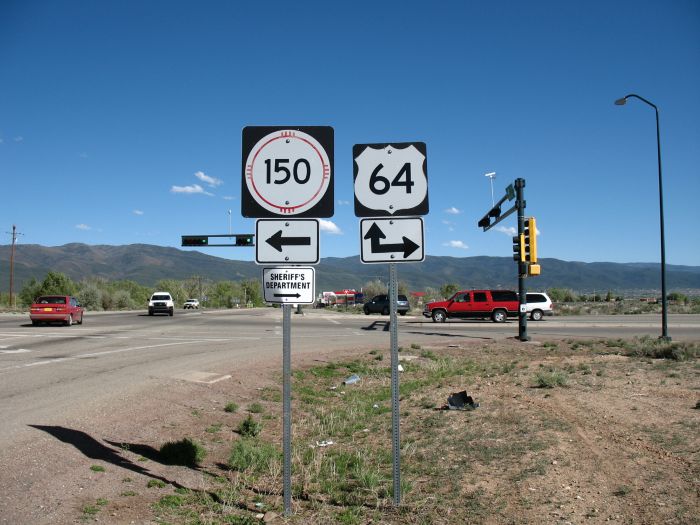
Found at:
<point>375,234</point>
<point>277,241</point>
<point>297,295</point>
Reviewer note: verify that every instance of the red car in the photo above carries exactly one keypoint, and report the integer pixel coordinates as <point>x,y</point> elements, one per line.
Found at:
<point>56,309</point>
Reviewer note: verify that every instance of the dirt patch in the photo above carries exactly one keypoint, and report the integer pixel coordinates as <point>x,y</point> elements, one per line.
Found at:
<point>615,439</point>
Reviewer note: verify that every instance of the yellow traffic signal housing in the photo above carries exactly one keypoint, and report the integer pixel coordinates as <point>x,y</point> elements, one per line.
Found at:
<point>533,269</point>
<point>530,240</point>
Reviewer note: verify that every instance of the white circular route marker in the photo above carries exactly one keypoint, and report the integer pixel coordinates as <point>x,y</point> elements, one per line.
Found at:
<point>287,172</point>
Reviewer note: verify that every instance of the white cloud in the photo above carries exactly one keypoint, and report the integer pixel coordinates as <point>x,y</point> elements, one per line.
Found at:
<point>212,182</point>
<point>138,212</point>
<point>194,188</point>
<point>329,227</point>
<point>508,230</point>
<point>343,203</point>
<point>453,211</point>
<point>456,244</point>
<point>228,198</point>
<point>84,227</point>
<point>19,138</point>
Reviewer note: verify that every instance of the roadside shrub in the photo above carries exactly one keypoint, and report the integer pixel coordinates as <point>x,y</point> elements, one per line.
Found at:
<point>253,454</point>
<point>231,407</point>
<point>660,349</point>
<point>184,452</point>
<point>249,427</point>
<point>122,300</point>
<point>90,296</point>
<point>550,379</point>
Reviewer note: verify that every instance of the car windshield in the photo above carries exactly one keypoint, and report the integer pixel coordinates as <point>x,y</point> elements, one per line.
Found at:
<point>160,298</point>
<point>402,298</point>
<point>191,301</point>
<point>51,300</point>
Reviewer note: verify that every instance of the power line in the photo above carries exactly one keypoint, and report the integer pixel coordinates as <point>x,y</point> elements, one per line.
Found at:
<point>14,234</point>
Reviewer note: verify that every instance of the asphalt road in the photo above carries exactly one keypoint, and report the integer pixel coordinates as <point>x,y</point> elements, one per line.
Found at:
<point>48,373</point>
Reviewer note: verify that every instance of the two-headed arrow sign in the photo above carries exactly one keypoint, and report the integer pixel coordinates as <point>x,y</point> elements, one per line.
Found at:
<point>375,249</point>
<point>407,246</point>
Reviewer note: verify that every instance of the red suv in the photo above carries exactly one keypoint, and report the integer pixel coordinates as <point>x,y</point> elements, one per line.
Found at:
<point>56,308</point>
<point>476,304</point>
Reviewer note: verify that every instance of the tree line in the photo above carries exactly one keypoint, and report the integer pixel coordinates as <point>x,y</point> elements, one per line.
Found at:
<point>96,293</point>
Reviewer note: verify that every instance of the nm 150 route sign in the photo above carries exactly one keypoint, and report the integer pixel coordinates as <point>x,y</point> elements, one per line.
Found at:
<point>287,171</point>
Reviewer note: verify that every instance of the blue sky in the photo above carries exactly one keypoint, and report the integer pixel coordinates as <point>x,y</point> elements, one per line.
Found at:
<point>107,108</point>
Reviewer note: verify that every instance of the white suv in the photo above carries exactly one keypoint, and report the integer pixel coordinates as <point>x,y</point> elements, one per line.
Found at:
<point>538,305</point>
<point>191,304</point>
<point>161,303</point>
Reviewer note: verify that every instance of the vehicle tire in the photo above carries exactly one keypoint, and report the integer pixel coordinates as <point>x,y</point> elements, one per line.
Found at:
<point>150,311</point>
<point>171,312</point>
<point>536,315</point>
<point>385,311</point>
<point>81,319</point>
<point>439,316</point>
<point>35,323</point>
<point>402,313</point>
<point>499,316</point>
<point>366,310</point>
<point>69,321</point>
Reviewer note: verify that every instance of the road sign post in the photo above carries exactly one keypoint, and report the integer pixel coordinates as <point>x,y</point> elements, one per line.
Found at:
<point>395,417</point>
<point>287,177</point>
<point>391,189</point>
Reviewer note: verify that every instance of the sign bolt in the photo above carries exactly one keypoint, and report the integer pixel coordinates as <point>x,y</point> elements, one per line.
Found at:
<point>286,224</point>
<point>286,258</point>
<point>391,206</point>
<point>391,222</point>
<point>286,202</point>
<point>393,256</point>
<point>287,141</point>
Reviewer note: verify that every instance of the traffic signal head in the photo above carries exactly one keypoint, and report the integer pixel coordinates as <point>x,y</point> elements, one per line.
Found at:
<point>195,240</point>
<point>530,240</point>
<point>245,240</point>
<point>519,248</point>
<point>484,223</point>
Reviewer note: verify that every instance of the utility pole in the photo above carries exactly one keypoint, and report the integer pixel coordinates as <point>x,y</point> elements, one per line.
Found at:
<point>12,265</point>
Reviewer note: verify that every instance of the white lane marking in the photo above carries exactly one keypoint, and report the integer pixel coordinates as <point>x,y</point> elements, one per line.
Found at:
<point>17,351</point>
<point>334,321</point>
<point>93,354</point>
<point>207,378</point>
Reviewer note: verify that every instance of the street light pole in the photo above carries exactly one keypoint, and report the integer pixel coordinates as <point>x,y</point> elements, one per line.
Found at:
<point>491,176</point>
<point>664,310</point>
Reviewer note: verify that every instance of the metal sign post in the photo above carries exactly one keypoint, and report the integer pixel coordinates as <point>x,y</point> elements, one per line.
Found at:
<point>395,421</point>
<point>287,405</point>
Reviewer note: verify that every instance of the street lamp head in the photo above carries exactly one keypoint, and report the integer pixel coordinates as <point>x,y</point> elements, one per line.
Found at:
<point>491,175</point>
<point>621,101</point>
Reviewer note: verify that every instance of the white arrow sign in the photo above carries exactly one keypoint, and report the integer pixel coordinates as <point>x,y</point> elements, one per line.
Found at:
<point>294,284</point>
<point>390,179</point>
<point>287,241</point>
<point>392,240</point>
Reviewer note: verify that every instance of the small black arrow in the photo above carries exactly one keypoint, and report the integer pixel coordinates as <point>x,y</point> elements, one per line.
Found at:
<point>277,241</point>
<point>297,295</point>
<point>375,234</point>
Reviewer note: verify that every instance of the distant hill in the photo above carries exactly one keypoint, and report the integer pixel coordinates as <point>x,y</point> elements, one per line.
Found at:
<point>146,264</point>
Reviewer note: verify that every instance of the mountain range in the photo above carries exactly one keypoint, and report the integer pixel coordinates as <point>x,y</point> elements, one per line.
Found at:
<point>146,264</point>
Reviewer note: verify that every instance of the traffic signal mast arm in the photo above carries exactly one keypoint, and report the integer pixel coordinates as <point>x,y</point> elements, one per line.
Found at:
<point>495,212</point>
<point>241,239</point>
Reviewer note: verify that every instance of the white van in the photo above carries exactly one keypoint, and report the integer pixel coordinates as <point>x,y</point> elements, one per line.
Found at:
<point>538,305</point>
